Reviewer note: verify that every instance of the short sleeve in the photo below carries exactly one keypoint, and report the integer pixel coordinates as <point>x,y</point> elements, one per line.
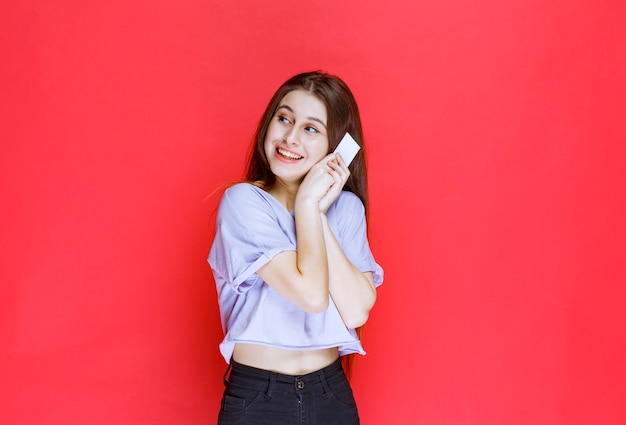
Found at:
<point>250,231</point>
<point>351,231</point>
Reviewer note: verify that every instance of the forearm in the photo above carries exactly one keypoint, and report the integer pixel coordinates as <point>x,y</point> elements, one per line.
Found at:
<point>352,291</point>
<point>311,255</point>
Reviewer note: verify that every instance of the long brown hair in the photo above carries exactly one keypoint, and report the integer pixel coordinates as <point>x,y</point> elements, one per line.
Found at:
<point>343,116</point>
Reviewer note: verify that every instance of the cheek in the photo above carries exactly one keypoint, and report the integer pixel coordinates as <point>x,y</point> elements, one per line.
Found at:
<point>271,134</point>
<point>269,150</point>
<point>267,143</point>
<point>319,152</point>
<point>324,148</point>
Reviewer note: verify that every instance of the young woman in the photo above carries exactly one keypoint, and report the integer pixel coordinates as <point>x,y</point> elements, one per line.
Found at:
<point>294,272</point>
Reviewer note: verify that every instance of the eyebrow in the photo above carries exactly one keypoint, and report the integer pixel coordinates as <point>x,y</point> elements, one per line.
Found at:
<point>290,109</point>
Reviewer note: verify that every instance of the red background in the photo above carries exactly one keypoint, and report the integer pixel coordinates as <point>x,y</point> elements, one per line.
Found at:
<point>497,156</point>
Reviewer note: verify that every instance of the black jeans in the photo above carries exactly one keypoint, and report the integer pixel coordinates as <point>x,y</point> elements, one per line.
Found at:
<point>259,397</point>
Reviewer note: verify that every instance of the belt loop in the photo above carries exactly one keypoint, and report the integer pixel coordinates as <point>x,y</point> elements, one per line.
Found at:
<point>270,386</point>
<point>324,383</point>
<point>228,369</point>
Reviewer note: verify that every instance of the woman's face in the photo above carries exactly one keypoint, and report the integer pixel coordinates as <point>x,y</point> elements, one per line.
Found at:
<point>297,137</point>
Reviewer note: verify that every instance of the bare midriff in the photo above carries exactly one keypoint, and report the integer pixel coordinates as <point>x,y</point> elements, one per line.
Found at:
<point>289,362</point>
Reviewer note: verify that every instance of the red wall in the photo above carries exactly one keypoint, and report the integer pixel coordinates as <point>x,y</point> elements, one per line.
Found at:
<point>497,154</point>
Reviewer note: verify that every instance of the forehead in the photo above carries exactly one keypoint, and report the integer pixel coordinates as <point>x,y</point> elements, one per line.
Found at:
<point>304,104</point>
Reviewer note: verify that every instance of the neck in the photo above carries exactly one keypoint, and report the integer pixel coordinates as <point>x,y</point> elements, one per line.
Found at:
<point>285,193</point>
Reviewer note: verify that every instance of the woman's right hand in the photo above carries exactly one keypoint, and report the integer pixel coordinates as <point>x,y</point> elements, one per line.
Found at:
<point>324,181</point>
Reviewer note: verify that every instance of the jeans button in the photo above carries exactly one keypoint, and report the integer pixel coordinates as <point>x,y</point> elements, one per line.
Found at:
<point>300,385</point>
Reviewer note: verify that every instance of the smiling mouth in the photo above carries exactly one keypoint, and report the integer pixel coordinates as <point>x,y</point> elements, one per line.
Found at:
<point>288,155</point>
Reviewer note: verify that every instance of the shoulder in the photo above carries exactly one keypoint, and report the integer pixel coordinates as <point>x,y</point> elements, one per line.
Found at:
<point>242,189</point>
<point>248,205</point>
<point>244,194</point>
<point>349,202</point>
<point>347,211</point>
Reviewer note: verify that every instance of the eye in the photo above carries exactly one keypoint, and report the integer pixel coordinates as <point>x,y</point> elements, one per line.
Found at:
<point>310,129</point>
<point>283,118</point>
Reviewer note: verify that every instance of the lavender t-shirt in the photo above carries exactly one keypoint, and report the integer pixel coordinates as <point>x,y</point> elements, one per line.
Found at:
<point>252,227</point>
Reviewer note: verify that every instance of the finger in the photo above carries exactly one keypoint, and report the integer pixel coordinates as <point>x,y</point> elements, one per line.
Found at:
<point>331,157</point>
<point>340,160</point>
<point>341,169</point>
<point>342,164</point>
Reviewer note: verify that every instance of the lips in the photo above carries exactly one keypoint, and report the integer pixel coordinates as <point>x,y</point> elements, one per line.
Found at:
<point>288,154</point>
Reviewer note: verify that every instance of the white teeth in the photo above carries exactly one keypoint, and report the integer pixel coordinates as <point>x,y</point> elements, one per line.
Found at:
<point>288,155</point>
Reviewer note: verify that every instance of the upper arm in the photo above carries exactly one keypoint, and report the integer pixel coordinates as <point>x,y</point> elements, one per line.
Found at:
<point>351,234</point>
<point>249,234</point>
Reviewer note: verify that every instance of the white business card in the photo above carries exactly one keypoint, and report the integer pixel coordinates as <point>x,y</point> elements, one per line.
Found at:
<point>347,148</point>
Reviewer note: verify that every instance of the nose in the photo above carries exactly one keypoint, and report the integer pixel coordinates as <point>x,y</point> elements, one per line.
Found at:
<point>290,137</point>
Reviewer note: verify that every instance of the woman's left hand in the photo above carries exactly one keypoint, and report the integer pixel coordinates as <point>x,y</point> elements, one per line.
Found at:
<point>340,173</point>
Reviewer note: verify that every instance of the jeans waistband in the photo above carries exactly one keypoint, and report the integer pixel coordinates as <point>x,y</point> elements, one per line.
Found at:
<point>265,380</point>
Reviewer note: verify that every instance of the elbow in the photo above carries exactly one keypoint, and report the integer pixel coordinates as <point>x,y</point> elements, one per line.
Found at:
<point>356,320</point>
<point>358,315</point>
